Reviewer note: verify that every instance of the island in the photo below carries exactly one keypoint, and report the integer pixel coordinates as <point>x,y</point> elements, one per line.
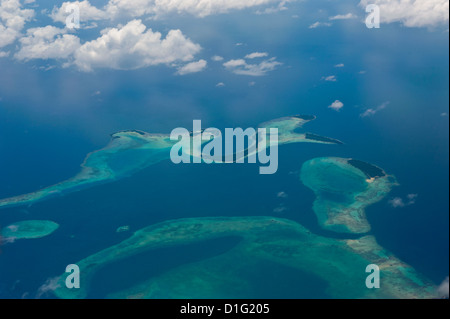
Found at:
<point>339,263</point>
<point>343,189</point>
<point>132,151</point>
<point>29,229</point>
<point>288,130</point>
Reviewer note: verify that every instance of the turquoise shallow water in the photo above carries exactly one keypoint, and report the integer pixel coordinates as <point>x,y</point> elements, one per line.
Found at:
<point>333,182</point>
<point>89,219</point>
<point>47,130</point>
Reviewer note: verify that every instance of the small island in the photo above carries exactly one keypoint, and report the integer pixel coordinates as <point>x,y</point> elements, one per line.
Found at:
<point>344,188</point>
<point>318,138</point>
<point>29,229</point>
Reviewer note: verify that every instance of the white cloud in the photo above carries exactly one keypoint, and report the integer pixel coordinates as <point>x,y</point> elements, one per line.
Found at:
<point>8,240</point>
<point>331,78</point>
<point>200,8</point>
<point>241,67</point>
<point>320,24</point>
<point>280,209</point>
<point>282,195</point>
<point>87,12</point>
<point>156,8</point>
<point>340,65</point>
<point>217,58</point>
<point>336,105</point>
<point>126,47</point>
<point>412,198</point>
<point>132,46</point>
<point>343,17</point>
<point>192,67</point>
<point>256,55</point>
<point>12,20</point>
<point>399,202</point>
<point>371,112</point>
<point>443,289</point>
<point>280,7</point>
<point>412,13</point>
<point>234,63</point>
<point>13,228</point>
<point>50,285</point>
<point>47,43</point>
<point>138,8</point>
<point>220,84</point>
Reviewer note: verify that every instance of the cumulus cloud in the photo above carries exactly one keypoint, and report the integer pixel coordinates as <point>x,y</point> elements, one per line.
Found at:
<point>241,66</point>
<point>217,58</point>
<point>12,20</point>
<point>412,13</point>
<point>282,195</point>
<point>412,198</point>
<point>88,12</point>
<point>200,8</point>
<point>371,112</point>
<point>156,8</point>
<point>340,65</point>
<point>50,285</point>
<point>8,240</point>
<point>398,202</point>
<point>443,289</point>
<point>336,105</point>
<point>256,55</point>
<point>47,43</point>
<point>331,78</point>
<point>343,17</point>
<point>320,24</point>
<point>127,47</point>
<point>132,46</point>
<point>138,8</point>
<point>280,209</point>
<point>192,67</point>
<point>280,7</point>
<point>13,228</point>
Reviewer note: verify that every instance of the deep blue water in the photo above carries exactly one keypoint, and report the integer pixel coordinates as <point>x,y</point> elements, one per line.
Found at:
<point>50,120</point>
<point>165,191</point>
